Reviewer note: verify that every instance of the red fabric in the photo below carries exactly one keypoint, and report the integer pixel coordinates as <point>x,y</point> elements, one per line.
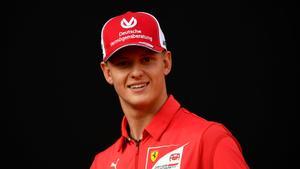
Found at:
<point>175,138</point>
<point>131,28</point>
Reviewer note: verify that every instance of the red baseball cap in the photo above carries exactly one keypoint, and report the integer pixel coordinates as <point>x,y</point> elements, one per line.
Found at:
<point>131,29</point>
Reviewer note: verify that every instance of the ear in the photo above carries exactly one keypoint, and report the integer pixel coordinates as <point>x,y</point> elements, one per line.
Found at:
<point>167,62</point>
<point>106,72</point>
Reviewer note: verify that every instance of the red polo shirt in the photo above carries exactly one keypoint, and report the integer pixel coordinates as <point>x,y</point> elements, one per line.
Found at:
<point>174,139</point>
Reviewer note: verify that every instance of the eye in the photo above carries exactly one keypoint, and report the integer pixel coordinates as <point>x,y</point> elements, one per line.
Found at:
<point>146,59</point>
<point>122,63</point>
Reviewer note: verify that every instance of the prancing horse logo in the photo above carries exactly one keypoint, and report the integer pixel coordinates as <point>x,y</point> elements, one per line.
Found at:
<point>114,164</point>
<point>154,155</point>
<point>125,24</point>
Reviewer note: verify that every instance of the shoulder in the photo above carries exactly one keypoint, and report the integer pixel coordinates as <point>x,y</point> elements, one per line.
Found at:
<point>208,131</point>
<point>217,133</point>
<point>220,147</point>
<point>187,120</point>
<point>211,132</point>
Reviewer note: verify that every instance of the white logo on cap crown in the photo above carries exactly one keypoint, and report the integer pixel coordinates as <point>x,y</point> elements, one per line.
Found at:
<point>125,24</point>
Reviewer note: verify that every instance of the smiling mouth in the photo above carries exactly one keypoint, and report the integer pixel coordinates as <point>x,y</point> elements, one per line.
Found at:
<point>138,86</point>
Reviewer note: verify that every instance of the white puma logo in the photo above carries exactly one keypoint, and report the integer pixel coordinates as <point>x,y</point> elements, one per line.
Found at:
<point>114,164</point>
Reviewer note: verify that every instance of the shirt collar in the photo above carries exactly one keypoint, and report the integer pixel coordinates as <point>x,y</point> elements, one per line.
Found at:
<point>158,124</point>
<point>162,119</point>
<point>121,143</point>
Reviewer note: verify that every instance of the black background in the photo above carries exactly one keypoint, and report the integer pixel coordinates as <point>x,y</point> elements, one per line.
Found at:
<point>233,62</point>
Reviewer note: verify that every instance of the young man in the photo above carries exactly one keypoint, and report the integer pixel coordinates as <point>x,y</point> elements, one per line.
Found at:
<point>157,133</point>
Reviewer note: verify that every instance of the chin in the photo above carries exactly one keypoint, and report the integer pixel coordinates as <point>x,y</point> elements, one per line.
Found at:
<point>140,100</point>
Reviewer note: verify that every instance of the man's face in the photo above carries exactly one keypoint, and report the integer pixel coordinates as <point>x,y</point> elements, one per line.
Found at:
<point>138,75</point>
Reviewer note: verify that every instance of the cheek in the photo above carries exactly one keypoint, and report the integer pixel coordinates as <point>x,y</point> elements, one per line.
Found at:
<point>118,86</point>
<point>158,77</point>
<point>119,80</point>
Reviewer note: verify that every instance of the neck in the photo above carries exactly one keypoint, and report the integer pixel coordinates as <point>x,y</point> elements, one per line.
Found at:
<point>139,118</point>
<point>137,126</point>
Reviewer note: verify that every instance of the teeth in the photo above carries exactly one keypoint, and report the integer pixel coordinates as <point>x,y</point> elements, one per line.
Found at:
<point>137,86</point>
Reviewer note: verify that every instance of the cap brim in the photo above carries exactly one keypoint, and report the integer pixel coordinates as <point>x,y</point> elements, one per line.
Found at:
<point>154,48</point>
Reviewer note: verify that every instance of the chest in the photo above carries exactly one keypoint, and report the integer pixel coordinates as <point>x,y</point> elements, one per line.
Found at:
<point>155,155</point>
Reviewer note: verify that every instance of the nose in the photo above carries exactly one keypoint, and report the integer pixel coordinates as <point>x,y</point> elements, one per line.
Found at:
<point>137,72</point>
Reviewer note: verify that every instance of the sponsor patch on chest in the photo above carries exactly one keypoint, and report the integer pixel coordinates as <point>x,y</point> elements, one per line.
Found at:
<point>164,157</point>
